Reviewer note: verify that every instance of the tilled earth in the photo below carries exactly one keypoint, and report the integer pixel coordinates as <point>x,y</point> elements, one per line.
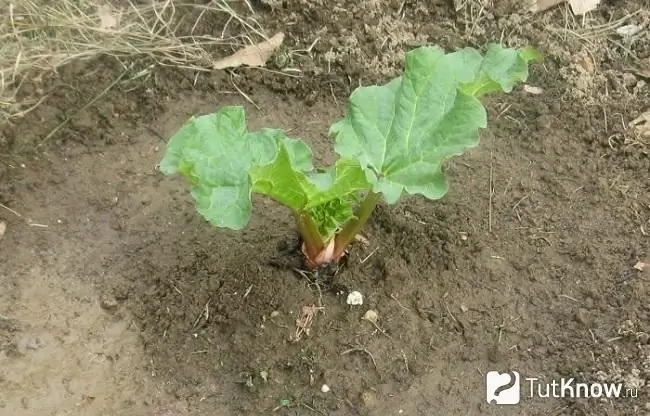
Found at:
<point>129,303</point>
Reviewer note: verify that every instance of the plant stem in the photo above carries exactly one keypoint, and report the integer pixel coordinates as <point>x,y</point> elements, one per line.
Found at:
<point>353,226</point>
<point>310,235</point>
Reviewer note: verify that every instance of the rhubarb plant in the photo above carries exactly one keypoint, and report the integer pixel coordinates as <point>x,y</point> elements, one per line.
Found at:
<point>393,140</point>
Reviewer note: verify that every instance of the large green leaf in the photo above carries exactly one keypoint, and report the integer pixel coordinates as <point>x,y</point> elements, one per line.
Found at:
<point>402,132</point>
<point>225,163</point>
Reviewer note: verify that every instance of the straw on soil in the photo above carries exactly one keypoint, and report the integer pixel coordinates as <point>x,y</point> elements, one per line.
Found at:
<point>39,36</point>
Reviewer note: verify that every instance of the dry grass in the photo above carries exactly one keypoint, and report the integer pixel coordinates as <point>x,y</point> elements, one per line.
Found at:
<point>39,36</point>
<point>600,36</point>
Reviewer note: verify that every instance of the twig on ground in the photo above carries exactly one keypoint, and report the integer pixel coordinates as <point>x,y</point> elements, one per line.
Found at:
<point>361,349</point>
<point>27,220</point>
<point>16,213</point>
<point>243,94</point>
<point>392,296</point>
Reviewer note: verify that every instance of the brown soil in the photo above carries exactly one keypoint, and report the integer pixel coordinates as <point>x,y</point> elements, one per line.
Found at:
<point>128,303</point>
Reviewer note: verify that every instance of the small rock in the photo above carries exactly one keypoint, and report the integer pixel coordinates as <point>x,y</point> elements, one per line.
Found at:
<point>325,388</point>
<point>494,355</point>
<point>29,343</point>
<point>108,303</point>
<point>34,344</point>
<point>115,223</point>
<point>121,293</point>
<point>532,89</point>
<point>371,316</point>
<point>629,80</point>
<point>355,298</point>
<point>629,30</point>
<point>582,317</point>
<point>643,338</point>
<point>585,63</point>
<point>369,398</point>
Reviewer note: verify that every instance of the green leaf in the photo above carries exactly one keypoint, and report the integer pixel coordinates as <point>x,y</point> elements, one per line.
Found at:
<point>214,152</point>
<point>324,194</point>
<point>225,164</point>
<point>333,214</point>
<point>403,132</point>
<point>284,179</point>
<point>500,70</point>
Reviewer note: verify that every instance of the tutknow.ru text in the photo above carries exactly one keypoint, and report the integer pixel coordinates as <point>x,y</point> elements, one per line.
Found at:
<point>568,388</point>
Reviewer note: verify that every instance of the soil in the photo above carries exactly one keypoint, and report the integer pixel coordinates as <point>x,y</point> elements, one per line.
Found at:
<point>120,300</point>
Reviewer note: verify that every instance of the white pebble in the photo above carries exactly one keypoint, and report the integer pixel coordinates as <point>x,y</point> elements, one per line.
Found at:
<point>355,298</point>
<point>325,388</point>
